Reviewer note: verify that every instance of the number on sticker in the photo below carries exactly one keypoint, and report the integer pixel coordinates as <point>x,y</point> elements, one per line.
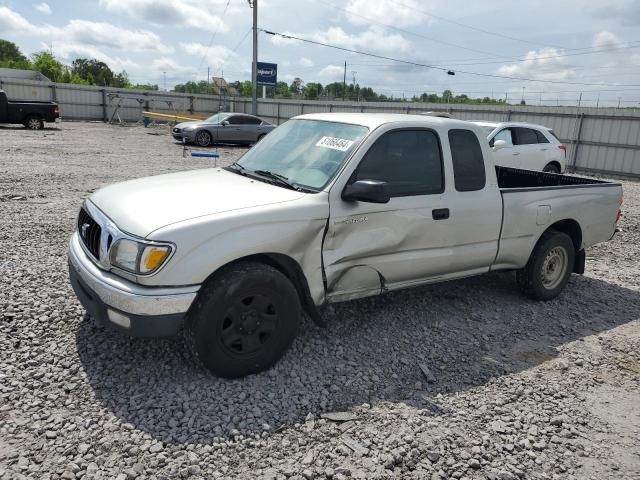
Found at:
<point>334,143</point>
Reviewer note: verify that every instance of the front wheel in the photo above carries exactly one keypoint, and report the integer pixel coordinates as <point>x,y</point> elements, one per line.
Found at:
<point>203,138</point>
<point>244,320</point>
<point>549,267</point>
<point>33,122</point>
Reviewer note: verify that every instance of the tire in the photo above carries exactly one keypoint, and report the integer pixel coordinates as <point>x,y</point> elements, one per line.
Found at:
<point>203,138</point>
<point>549,267</point>
<point>33,122</point>
<point>551,168</point>
<point>244,320</point>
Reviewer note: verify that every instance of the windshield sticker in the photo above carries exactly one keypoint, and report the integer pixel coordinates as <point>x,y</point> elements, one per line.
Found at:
<point>335,143</point>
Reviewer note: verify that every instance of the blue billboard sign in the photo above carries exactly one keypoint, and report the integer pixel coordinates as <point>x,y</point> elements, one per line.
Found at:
<point>267,74</point>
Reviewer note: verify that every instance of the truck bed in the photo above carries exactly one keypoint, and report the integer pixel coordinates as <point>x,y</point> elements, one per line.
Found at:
<point>533,201</point>
<point>510,178</point>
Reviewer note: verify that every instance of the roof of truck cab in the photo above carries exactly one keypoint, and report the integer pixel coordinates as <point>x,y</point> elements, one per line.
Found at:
<point>508,124</point>
<point>374,120</point>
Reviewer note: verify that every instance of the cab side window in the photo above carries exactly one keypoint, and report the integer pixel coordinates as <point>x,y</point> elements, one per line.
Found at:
<point>409,161</point>
<point>235,120</point>
<point>468,163</point>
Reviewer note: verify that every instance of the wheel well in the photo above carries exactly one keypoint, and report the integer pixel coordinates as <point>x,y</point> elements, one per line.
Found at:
<point>571,228</point>
<point>290,269</point>
<point>555,164</point>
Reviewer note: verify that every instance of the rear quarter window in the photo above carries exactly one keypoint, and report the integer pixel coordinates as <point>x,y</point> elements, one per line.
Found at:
<point>468,163</point>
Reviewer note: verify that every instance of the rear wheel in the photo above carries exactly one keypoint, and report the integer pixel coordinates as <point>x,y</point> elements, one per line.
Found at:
<point>33,122</point>
<point>549,267</point>
<point>203,138</point>
<point>243,320</point>
<point>551,168</point>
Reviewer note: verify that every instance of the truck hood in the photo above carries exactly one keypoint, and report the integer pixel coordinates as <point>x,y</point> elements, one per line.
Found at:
<point>141,206</point>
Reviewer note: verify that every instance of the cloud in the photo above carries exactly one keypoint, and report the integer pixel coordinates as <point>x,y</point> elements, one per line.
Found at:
<point>305,62</point>
<point>71,51</point>
<point>184,13</point>
<point>13,22</point>
<point>332,72</point>
<point>627,13</point>
<point>374,39</point>
<point>214,55</point>
<point>402,14</point>
<point>43,8</point>
<point>84,32</point>
<point>540,65</point>
<point>606,39</point>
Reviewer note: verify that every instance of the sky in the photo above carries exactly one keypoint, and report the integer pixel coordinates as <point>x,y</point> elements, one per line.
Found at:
<point>550,51</point>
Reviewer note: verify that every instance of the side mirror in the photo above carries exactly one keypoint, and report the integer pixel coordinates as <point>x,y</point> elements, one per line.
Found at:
<point>499,144</point>
<point>224,123</point>
<point>370,191</point>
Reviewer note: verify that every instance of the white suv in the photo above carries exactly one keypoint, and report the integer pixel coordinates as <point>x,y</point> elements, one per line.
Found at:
<point>526,146</point>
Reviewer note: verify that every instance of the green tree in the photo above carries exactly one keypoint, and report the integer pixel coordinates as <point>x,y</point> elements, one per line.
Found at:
<point>447,96</point>
<point>94,71</point>
<point>46,63</point>
<point>12,57</point>
<point>282,90</point>
<point>312,90</point>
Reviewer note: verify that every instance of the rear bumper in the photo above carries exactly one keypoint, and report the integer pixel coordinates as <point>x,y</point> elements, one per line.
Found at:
<point>133,309</point>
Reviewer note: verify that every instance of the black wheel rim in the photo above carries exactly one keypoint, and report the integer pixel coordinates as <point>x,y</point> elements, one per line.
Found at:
<point>248,325</point>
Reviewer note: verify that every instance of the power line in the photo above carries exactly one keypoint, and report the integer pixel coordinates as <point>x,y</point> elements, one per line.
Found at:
<point>214,34</point>
<point>435,67</point>
<point>581,51</point>
<point>471,27</point>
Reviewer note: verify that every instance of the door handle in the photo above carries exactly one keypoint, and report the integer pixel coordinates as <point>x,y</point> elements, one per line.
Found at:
<point>516,153</point>
<point>440,213</point>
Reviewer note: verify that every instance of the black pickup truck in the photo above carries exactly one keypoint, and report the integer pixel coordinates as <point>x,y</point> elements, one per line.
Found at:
<point>30,114</point>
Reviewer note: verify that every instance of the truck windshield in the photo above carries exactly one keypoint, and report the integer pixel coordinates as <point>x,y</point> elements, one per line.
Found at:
<point>307,153</point>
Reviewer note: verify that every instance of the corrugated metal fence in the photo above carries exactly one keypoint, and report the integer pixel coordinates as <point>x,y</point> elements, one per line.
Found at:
<point>605,140</point>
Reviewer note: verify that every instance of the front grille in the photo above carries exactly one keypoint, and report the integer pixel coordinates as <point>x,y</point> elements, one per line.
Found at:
<point>89,232</point>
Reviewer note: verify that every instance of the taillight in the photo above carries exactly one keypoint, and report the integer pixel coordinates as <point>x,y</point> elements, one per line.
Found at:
<point>564,149</point>
<point>619,215</point>
<point>56,110</point>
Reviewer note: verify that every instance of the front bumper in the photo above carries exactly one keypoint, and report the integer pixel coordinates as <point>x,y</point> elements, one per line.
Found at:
<point>136,310</point>
<point>186,135</point>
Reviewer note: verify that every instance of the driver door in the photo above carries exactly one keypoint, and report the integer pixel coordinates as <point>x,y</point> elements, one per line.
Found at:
<point>370,247</point>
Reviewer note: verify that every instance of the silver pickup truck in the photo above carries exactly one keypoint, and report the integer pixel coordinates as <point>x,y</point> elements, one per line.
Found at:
<point>328,207</point>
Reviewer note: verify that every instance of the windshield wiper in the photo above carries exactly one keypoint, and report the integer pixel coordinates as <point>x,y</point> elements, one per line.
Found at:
<point>280,179</point>
<point>236,167</point>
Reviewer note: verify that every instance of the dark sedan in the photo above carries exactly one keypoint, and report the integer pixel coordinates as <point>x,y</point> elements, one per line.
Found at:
<point>223,127</point>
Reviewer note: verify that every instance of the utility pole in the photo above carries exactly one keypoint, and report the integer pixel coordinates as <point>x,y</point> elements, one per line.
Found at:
<point>344,81</point>
<point>164,75</point>
<point>619,101</point>
<point>254,66</point>
<point>208,84</point>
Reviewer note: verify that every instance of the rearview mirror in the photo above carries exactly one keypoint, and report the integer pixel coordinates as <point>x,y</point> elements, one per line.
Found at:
<point>371,191</point>
<point>499,144</point>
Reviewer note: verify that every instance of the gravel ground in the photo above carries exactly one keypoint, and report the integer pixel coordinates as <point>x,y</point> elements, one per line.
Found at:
<point>515,389</point>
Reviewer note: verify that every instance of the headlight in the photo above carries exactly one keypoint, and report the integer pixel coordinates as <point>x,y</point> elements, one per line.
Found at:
<point>188,129</point>
<point>137,257</point>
